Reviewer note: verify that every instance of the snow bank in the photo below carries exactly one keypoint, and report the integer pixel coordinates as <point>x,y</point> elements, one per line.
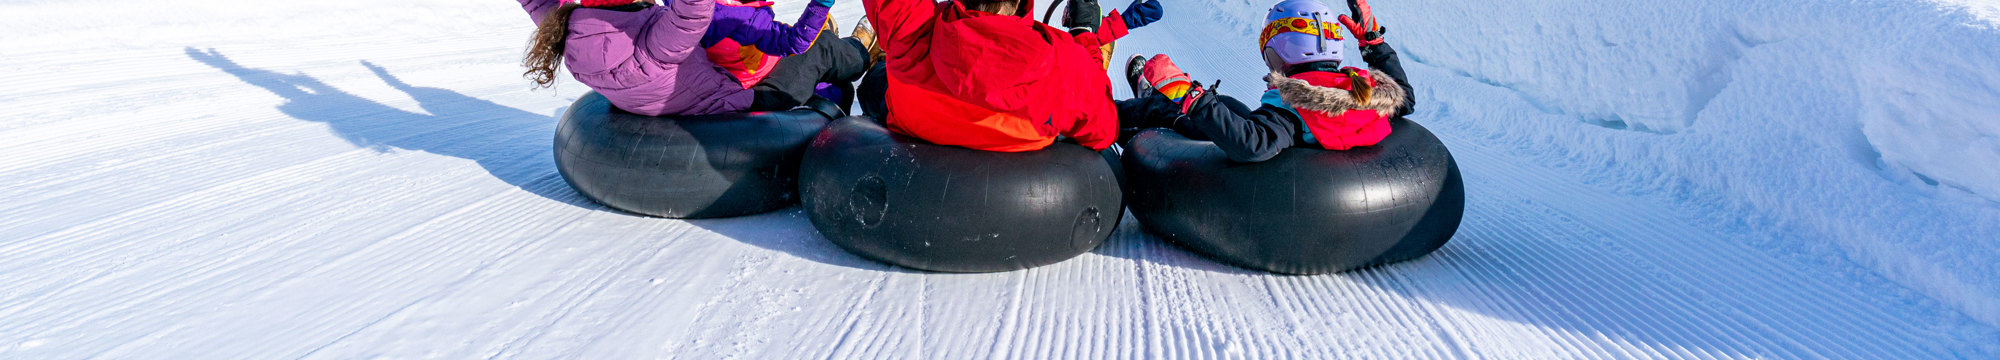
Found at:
<point>1986,13</point>
<point>1865,130</point>
<point>372,179</point>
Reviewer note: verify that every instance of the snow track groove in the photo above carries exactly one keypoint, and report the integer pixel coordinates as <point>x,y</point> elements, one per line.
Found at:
<point>324,195</point>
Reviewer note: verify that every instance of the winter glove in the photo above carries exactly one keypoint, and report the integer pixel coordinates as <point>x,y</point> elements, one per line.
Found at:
<point>1162,75</point>
<point>1081,15</point>
<point>826,3</point>
<point>1195,94</point>
<point>1143,12</point>
<point>1365,31</point>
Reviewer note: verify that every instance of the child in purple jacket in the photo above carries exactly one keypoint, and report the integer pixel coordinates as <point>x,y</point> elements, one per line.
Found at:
<point>655,59</point>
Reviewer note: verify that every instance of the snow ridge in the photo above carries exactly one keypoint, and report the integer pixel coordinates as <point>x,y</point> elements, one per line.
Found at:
<point>1875,139</point>
<point>372,179</point>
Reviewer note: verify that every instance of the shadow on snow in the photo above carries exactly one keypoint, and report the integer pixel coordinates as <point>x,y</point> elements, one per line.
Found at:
<point>512,145</point>
<point>507,142</point>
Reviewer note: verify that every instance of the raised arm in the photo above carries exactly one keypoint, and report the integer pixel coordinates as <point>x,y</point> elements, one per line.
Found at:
<point>896,22</point>
<point>773,37</point>
<point>1119,23</point>
<point>1368,33</point>
<point>1383,58</point>
<point>677,32</point>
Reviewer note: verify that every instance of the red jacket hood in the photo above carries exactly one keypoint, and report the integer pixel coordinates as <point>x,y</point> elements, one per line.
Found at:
<point>992,82</point>
<point>993,60</point>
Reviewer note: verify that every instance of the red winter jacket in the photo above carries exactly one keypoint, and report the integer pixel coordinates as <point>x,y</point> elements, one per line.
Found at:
<point>990,82</point>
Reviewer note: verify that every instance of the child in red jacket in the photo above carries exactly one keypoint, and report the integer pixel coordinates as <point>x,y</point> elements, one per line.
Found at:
<point>983,74</point>
<point>1312,99</point>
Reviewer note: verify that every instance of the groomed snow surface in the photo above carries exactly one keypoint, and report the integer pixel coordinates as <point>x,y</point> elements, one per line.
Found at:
<point>361,179</point>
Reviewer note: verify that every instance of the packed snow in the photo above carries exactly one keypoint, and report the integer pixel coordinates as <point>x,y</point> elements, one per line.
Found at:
<point>1872,128</point>
<point>1985,13</point>
<point>370,178</point>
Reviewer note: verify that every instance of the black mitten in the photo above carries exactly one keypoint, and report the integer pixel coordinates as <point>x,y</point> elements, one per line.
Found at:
<point>1082,14</point>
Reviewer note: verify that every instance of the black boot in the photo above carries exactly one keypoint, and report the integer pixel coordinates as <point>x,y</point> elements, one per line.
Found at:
<point>1135,75</point>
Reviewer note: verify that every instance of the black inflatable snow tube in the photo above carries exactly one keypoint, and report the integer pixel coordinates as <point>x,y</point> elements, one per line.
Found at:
<point>902,201</point>
<point>686,167</point>
<point>1306,211</point>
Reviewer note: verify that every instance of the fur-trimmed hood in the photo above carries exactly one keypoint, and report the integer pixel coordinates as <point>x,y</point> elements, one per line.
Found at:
<point>1385,98</point>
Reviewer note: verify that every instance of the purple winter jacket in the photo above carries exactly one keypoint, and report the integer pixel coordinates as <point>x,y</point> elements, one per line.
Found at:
<point>648,62</point>
<point>747,39</point>
<point>754,24</point>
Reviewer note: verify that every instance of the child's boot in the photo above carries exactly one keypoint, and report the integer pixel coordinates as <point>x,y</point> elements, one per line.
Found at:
<point>1135,75</point>
<point>866,35</point>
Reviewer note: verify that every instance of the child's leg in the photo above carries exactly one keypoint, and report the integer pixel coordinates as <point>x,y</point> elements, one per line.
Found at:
<point>1245,135</point>
<point>874,87</point>
<point>1150,111</point>
<point>792,81</point>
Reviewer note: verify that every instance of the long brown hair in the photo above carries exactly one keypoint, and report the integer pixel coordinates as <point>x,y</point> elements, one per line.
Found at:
<point>545,48</point>
<point>1358,85</point>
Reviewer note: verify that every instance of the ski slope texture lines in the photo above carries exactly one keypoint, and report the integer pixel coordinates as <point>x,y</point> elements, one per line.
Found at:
<point>374,179</point>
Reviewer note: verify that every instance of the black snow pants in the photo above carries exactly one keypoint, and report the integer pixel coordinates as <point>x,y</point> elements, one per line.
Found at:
<point>873,90</point>
<point>1245,135</point>
<point>831,59</point>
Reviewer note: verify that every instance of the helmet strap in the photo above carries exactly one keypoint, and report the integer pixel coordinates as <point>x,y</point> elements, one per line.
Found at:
<point>1321,40</point>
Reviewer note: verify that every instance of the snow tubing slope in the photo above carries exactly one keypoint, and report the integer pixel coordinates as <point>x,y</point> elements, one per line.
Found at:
<point>686,167</point>
<point>914,204</point>
<point>1306,211</point>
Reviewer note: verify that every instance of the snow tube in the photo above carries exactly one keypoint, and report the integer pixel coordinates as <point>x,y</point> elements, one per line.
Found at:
<point>1306,211</point>
<point>906,202</point>
<point>686,167</point>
